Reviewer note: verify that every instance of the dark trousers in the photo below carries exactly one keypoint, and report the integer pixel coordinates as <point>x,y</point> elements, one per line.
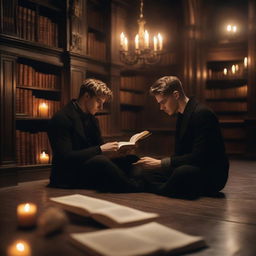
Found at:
<point>186,180</point>
<point>104,174</point>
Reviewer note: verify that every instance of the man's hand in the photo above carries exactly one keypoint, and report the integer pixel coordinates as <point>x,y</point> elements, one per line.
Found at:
<point>148,163</point>
<point>109,147</point>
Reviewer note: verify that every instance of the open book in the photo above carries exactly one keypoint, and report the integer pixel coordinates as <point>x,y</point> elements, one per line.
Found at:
<point>107,213</point>
<point>148,239</point>
<point>136,137</point>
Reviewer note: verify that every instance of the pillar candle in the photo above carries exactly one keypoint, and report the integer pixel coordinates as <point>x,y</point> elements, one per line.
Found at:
<point>19,248</point>
<point>43,110</point>
<point>26,214</point>
<point>44,158</point>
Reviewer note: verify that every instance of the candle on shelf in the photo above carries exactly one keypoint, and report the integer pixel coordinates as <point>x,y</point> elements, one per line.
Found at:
<point>155,44</point>
<point>233,69</point>
<point>43,110</point>
<point>44,158</point>
<point>160,40</point>
<point>225,71</point>
<point>26,214</point>
<point>137,42</point>
<point>19,248</point>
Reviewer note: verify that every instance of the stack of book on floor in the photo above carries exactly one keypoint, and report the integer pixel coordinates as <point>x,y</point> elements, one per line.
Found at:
<point>146,239</point>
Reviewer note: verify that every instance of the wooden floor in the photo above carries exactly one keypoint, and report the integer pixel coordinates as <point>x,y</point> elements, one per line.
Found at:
<point>228,223</point>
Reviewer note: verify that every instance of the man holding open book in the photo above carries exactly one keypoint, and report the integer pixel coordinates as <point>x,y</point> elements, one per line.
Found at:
<point>199,164</point>
<point>80,158</point>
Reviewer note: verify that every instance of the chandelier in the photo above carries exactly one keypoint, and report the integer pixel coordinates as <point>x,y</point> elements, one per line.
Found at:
<point>143,51</point>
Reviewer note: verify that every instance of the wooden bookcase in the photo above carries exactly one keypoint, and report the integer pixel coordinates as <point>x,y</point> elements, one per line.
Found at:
<point>226,92</point>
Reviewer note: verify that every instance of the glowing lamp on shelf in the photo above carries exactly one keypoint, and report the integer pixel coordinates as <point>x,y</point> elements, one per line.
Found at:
<point>26,215</point>
<point>19,248</point>
<point>143,50</point>
<point>43,110</point>
<point>44,158</point>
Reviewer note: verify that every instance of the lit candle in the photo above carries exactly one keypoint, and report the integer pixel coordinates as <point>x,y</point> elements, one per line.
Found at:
<point>245,62</point>
<point>125,44</point>
<point>43,110</point>
<point>229,28</point>
<point>237,67</point>
<point>234,29</point>
<point>122,39</point>
<point>160,39</point>
<point>146,39</point>
<point>225,71</point>
<point>44,158</point>
<point>137,42</point>
<point>26,214</point>
<point>233,69</point>
<point>155,44</point>
<point>19,248</point>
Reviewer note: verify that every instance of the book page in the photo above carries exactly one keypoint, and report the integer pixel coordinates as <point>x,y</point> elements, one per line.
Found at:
<point>167,238</point>
<point>123,215</point>
<point>87,203</point>
<point>138,136</point>
<point>114,242</point>
<point>125,143</point>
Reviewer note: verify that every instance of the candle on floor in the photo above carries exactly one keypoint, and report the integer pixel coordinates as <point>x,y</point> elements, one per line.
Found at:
<point>26,214</point>
<point>44,158</point>
<point>19,248</point>
<point>43,110</point>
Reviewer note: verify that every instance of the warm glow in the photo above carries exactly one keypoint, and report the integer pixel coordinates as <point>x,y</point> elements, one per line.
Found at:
<point>137,42</point>
<point>160,39</point>
<point>229,28</point>
<point>19,248</point>
<point>234,28</point>
<point>237,67</point>
<point>155,43</point>
<point>125,44</point>
<point>146,39</point>
<point>43,109</point>
<point>44,158</point>
<point>245,62</point>
<point>122,39</point>
<point>225,71</point>
<point>233,69</point>
<point>26,207</point>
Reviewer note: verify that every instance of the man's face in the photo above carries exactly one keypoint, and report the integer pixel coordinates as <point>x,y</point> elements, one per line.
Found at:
<point>168,103</point>
<point>94,104</point>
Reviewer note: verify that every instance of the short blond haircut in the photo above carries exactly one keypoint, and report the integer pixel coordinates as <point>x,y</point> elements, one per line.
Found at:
<point>95,88</point>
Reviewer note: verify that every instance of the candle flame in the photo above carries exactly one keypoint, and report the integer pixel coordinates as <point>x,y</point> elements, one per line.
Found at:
<point>26,207</point>
<point>20,247</point>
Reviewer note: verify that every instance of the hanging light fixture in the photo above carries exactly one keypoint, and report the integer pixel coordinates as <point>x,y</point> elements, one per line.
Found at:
<point>143,51</point>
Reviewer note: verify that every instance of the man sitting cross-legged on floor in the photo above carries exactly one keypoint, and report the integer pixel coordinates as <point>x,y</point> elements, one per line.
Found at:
<point>80,158</point>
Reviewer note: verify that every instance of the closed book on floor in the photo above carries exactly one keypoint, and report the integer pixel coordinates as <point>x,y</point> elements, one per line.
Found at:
<point>108,213</point>
<point>148,239</point>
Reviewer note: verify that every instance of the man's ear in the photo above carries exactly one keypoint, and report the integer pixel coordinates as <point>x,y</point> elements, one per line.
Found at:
<point>176,94</point>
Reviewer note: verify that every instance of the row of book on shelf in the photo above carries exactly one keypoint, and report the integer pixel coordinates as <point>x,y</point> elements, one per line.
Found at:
<point>136,83</point>
<point>234,92</point>
<point>29,76</point>
<point>130,98</point>
<point>29,25</point>
<point>32,148</point>
<point>105,124</point>
<point>128,120</point>
<point>228,106</point>
<point>28,104</point>
<point>96,48</point>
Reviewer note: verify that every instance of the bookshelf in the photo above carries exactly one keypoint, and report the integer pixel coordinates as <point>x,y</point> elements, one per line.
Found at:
<point>226,92</point>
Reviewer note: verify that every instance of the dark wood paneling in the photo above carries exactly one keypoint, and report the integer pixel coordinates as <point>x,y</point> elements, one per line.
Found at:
<point>7,117</point>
